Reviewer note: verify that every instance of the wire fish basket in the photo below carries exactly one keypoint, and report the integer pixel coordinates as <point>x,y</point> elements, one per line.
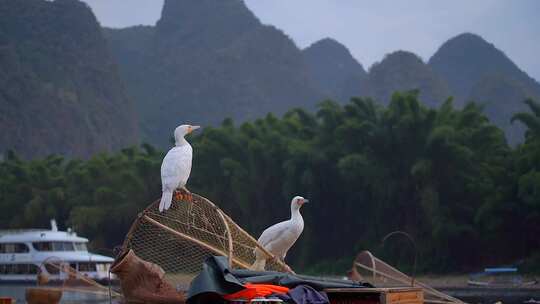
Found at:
<point>62,278</point>
<point>181,238</point>
<point>368,268</point>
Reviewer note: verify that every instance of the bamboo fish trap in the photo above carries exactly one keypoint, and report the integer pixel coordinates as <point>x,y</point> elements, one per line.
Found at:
<point>65,280</point>
<point>181,238</point>
<point>368,268</point>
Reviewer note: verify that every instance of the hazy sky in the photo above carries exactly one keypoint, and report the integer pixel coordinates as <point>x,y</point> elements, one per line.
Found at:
<point>371,29</point>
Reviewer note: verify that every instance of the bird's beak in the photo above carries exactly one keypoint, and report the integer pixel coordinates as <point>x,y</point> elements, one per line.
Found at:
<point>305,201</point>
<point>193,128</point>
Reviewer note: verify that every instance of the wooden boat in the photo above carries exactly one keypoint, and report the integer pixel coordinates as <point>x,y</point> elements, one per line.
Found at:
<point>500,277</point>
<point>7,300</point>
<point>43,295</point>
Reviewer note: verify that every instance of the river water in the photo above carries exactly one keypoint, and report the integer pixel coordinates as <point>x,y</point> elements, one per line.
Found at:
<point>491,295</point>
<point>469,295</point>
<point>18,292</point>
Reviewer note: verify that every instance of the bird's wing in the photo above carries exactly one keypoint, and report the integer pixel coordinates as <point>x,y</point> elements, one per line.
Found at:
<point>273,233</point>
<point>185,163</point>
<point>176,167</point>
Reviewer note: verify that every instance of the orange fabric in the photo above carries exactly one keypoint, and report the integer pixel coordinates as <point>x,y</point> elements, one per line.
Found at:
<point>256,290</point>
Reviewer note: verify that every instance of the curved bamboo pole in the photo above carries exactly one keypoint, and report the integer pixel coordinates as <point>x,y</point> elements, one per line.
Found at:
<point>371,258</point>
<point>228,223</point>
<point>63,267</point>
<point>427,288</point>
<point>285,266</point>
<point>135,225</point>
<point>200,243</point>
<point>228,218</point>
<point>229,238</point>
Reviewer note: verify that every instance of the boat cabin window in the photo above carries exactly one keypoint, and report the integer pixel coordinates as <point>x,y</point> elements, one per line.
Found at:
<point>13,248</point>
<point>42,246</point>
<point>103,267</point>
<point>80,246</point>
<point>89,267</point>
<point>18,269</point>
<point>54,246</point>
<point>63,246</point>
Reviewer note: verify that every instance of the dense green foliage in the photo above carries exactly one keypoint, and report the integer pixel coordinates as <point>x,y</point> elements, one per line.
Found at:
<point>445,175</point>
<point>99,197</point>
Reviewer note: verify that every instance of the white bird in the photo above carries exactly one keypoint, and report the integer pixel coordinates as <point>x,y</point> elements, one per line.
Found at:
<point>279,238</point>
<point>176,166</point>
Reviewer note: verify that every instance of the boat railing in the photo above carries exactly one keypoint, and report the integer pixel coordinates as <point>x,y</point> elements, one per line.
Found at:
<point>15,231</point>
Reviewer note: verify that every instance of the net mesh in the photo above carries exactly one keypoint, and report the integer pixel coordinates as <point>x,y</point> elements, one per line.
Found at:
<point>368,268</point>
<point>63,277</point>
<point>181,238</point>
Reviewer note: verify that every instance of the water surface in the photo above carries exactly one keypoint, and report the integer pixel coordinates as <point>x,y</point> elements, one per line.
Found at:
<point>469,295</point>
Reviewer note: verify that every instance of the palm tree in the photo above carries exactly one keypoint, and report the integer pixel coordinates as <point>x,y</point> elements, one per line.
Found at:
<point>531,120</point>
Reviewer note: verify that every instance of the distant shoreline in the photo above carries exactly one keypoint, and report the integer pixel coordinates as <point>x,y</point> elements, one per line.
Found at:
<point>459,282</point>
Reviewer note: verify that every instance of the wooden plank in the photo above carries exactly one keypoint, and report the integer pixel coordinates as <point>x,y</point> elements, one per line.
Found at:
<point>387,295</point>
<point>405,297</point>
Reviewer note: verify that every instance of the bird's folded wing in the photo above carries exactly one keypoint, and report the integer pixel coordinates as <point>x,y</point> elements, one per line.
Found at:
<point>176,167</point>
<point>273,233</point>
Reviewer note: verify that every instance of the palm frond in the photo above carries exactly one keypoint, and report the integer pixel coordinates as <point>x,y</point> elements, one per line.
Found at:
<point>534,106</point>
<point>532,122</point>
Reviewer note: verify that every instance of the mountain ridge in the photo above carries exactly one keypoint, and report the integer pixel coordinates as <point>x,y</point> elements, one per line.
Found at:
<point>478,71</point>
<point>88,89</point>
<point>203,70</point>
<point>467,57</point>
<point>404,71</point>
<point>62,93</point>
<point>334,69</point>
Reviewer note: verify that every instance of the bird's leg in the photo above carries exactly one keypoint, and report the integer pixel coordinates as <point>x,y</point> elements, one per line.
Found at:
<point>183,194</point>
<point>187,194</point>
<point>177,196</point>
<point>183,188</point>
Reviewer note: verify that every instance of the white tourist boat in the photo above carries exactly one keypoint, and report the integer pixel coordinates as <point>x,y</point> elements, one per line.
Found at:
<point>26,253</point>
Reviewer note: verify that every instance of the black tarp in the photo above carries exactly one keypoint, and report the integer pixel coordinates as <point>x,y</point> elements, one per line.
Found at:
<point>217,279</point>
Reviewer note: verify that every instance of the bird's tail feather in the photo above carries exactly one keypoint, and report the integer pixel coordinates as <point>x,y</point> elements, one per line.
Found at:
<point>166,200</point>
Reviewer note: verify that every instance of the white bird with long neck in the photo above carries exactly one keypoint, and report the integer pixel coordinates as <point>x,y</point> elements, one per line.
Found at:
<point>279,238</point>
<point>176,166</point>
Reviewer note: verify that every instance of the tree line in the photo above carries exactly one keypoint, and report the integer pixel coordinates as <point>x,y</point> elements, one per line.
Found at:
<point>446,176</point>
